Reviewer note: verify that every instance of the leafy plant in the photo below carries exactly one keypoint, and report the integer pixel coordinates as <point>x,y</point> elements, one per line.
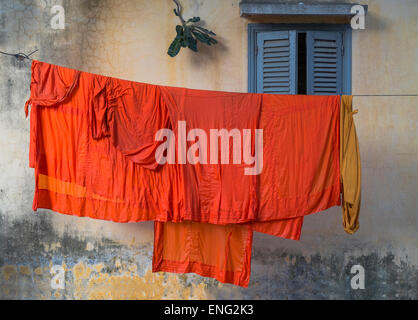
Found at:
<point>188,33</point>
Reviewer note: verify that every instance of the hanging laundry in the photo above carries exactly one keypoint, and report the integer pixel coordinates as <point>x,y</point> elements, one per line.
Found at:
<point>222,252</point>
<point>350,167</point>
<point>300,176</point>
<point>94,149</point>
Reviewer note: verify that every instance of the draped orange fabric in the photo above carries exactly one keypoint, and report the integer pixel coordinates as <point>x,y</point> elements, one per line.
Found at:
<point>300,176</point>
<point>301,172</point>
<point>93,147</point>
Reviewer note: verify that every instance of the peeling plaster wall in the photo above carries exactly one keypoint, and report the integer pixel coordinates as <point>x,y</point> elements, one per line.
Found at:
<point>129,39</point>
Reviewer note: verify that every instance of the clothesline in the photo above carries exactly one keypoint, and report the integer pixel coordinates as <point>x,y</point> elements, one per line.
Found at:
<point>21,55</point>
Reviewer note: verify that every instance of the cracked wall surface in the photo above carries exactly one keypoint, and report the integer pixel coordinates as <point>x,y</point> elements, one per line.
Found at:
<point>129,39</point>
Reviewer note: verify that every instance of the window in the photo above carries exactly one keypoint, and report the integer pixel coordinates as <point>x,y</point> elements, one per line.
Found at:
<point>299,59</point>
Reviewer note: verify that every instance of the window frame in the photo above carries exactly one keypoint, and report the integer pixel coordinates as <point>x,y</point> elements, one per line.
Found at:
<point>255,28</point>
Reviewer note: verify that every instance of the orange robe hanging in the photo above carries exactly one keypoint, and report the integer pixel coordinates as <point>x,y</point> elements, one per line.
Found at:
<point>300,176</point>
<point>93,145</point>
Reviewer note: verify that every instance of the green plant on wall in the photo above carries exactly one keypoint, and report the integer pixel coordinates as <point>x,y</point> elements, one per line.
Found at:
<point>188,33</point>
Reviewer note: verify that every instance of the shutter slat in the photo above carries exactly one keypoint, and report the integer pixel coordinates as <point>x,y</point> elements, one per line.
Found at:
<point>276,62</point>
<point>276,49</point>
<point>323,65</point>
<point>279,74</point>
<point>278,59</point>
<point>278,68</point>
<point>332,61</point>
<point>275,56</point>
<point>326,50</point>
<point>319,71</point>
<point>324,74</point>
<point>324,55</point>
<point>326,85</point>
<point>326,91</point>
<point>320,43</point>
<point>327,80</point>
<point>276,80</point>
<point>276,91</point>
<point>277,43</point>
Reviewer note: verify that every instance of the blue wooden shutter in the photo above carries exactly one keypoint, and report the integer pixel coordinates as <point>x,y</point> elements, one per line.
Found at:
<point>276,62</point>
<point>324,51</point>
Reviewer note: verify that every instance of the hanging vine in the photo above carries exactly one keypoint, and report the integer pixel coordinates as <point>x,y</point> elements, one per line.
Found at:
<point>188,33</point>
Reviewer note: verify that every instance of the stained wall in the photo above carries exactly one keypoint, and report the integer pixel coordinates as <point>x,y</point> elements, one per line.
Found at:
<point>129,39</point>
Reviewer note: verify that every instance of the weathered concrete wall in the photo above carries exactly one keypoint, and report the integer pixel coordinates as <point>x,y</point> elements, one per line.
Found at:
<point>129,39</point>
